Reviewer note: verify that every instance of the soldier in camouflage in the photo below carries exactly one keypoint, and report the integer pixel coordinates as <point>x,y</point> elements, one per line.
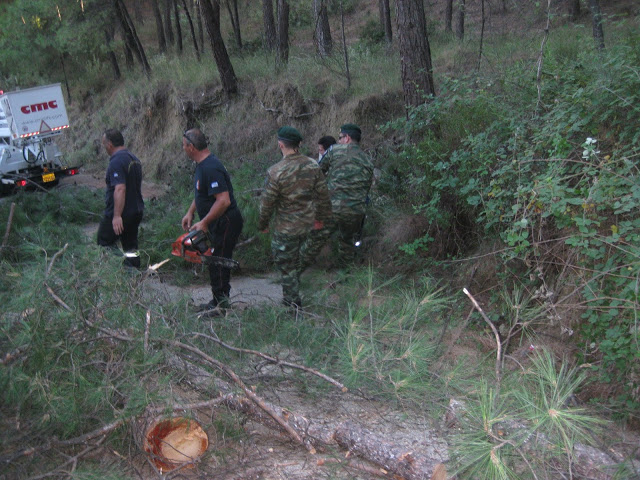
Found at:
<point>349,173</point>
<point>296,195</point>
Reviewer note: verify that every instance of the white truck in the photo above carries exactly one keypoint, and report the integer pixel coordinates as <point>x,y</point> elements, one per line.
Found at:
<point>30,120</point>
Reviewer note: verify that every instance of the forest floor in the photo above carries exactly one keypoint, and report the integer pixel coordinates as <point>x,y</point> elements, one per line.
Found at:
<point>260,453</point>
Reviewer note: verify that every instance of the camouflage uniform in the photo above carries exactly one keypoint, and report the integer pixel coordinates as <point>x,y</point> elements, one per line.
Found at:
<point>296,192</point>
<point>349,172</point>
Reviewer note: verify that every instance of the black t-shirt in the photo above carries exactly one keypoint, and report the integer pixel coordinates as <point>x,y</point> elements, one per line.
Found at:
<point>124,168</point>
<point>211,178</point>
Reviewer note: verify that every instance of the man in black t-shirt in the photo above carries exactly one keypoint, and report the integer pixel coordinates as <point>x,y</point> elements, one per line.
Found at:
<point>123,198</point>
<point>217,209</point>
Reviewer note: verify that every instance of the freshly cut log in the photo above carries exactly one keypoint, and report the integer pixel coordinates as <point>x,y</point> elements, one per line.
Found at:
<point>395,461</point>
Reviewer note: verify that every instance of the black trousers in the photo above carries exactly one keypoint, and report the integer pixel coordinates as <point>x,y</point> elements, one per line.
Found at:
<point>129,237</point>
<point>224,234</point>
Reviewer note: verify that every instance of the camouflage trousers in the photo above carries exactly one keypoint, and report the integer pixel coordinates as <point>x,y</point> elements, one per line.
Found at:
<point>345,225</point>
<point>286,255</point>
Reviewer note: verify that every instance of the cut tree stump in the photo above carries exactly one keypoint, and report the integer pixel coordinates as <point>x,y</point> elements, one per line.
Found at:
<point>171,442</point>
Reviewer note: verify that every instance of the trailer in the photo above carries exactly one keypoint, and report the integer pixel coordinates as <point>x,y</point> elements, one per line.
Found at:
<point>30,121</point>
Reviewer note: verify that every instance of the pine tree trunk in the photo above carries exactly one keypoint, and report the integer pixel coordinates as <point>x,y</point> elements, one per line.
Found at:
<point>162,42</point>
<point>282,47</point>
<point>167,22</point>
<point>415,53</point>
<point>596,14</point>
<point>269,25</point>
<point>131,36</point>
<point>322,32</point>
<point>200,26</point>
<point>232,8</point>
<point>460,22</point>
<point>211,14</point>
<point>178,27</point>
<point>111,54</point>
<point>448,16</point>
<point>573,9</point>
<point>191,28</point>
<point>385,20</point>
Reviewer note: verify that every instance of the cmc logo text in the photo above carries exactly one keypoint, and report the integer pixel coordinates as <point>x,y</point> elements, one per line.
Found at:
<point>38,107</point>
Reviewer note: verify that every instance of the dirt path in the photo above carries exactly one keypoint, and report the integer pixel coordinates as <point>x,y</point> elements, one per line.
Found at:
<point>95,181</point>
<point>246,291</point>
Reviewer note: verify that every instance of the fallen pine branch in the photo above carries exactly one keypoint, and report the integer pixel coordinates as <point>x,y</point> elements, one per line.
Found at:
<point>274,360</point>
<point>5,239</point>
<point>56,298</point>
<point>250,394</point>
<point>399,462</point>
<point>587,461</point>
<point>358,441</point>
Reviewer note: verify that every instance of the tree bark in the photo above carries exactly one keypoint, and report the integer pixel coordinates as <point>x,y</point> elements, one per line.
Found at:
<point>200,26</point>
<point>282,47</point>
<point>269,25</point>
<point>137,11</point>
<point>128,56</point>
<point>448,16</point>
<point>349,436</point>
<point>415,52</point>
<point>193,32</point>
<point>573,9</point>
<point>131,36</point>
<point>232,8</point>
<point>460,22</point>
<point>108,34</point>
<point>167,22</point>
<point>162,41</point>
<point>596,15</point>
<point>385,20</point>
<point>211,14</point>
<point>344,48</point>
<point>322,32</point>
<point>176,14</point>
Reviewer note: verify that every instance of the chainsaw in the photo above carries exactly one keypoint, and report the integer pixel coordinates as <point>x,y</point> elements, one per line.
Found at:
<point>193,247</point>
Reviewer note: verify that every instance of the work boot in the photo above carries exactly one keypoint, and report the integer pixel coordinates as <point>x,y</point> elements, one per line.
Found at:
<point>211,305</point>
<point>220,304</point>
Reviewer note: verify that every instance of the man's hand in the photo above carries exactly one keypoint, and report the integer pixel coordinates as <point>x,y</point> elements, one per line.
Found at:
<point>118,226</point>
<point>186,221</point>
<point>200,226</point>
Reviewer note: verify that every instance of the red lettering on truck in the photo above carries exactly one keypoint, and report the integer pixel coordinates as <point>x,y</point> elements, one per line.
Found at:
<point>38,107</point>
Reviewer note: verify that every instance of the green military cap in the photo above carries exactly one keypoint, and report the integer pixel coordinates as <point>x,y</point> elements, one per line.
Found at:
<point>289,134</point>
<point>351,129</point>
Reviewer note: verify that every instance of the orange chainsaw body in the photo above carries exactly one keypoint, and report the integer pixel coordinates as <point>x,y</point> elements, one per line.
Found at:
<point>192,246</point>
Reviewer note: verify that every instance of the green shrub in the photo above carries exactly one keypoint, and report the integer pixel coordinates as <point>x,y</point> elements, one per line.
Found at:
<point>567,171</point>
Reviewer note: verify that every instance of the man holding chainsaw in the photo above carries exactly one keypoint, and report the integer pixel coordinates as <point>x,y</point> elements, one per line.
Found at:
<point>296,195</point>
<point>349,173</point>
<point>217,210</point>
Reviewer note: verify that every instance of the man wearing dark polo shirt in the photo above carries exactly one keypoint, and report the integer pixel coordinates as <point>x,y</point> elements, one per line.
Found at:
<point>123,198</point>
<point>217,209</point>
